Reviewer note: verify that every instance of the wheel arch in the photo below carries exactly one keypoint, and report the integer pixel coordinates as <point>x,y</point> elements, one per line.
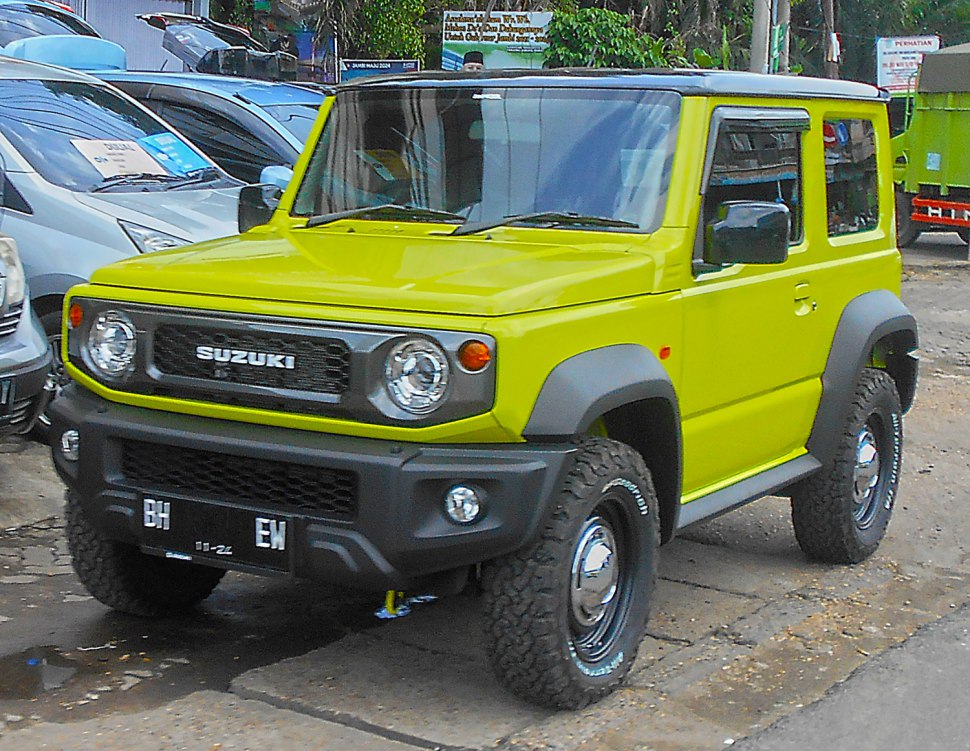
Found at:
<point>626,387</point>
<point>876,329</point>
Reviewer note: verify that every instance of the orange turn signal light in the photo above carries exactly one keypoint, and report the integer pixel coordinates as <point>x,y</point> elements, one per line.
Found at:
<point>75,315</point>
<point>474,355</point>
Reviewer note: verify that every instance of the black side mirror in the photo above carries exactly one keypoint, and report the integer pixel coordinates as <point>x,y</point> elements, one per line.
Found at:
<point>748,232</point>
<point>256,205</point>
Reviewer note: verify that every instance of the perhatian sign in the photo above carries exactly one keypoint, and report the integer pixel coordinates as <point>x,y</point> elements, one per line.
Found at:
<point>898,59</point>
<point>506,39</point>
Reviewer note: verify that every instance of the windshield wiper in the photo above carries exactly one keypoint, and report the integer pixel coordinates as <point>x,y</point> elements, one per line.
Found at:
<point>196,176</point>
<point>408,212</point>
<point>141,177</point>
<point>546,217</point>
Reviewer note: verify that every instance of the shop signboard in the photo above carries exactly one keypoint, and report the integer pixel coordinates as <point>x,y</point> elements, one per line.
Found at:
<point>506,39</point>
<point>350,69</point>
<point>898,59</point>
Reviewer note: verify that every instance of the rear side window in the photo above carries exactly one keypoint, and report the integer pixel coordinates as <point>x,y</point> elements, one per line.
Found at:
<point>852,184</point>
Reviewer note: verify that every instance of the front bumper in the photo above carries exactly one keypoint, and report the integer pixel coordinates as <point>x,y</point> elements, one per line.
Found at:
<point>24,393</point>
<point>397,535</point>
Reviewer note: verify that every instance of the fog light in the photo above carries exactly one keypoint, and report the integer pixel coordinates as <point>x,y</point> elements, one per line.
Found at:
<point>70,444</point>
<point>463,504</point>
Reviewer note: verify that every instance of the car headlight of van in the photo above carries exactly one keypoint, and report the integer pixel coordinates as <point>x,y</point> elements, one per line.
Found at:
<point>11,269</point>
<point>416,374</point>
<point>149,240</point>
<point>111,344</point>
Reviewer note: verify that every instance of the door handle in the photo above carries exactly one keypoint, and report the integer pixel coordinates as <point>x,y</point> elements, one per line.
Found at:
<point>804,304</point>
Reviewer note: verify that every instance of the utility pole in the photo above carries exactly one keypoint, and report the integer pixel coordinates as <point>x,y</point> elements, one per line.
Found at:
<point>769,36</point>
<point>760,36</point>
<point>831,45</point>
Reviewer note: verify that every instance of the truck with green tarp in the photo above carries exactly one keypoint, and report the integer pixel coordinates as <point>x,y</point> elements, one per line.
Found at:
<point>932,158</point>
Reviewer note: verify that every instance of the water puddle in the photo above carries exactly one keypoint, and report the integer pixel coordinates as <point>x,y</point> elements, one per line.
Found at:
<point>30,673</point>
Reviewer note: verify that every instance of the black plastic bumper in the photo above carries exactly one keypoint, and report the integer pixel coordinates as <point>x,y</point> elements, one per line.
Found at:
<point>399,535</point>
<point>24,394</point>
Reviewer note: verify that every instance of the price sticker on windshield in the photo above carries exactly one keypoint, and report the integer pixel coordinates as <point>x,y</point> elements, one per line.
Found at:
<point>114,158</point>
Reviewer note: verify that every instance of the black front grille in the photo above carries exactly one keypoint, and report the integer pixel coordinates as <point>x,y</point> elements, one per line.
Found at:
<point>318,491</point>
<point>320,366</point>
<point>10,319</point>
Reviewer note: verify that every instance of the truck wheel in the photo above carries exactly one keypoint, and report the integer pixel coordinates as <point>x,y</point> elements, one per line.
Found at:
<point>565,616</point>
<point>906,229</point>
<point>840,515</point>
<point>964,233</point>
<point>124,578</point>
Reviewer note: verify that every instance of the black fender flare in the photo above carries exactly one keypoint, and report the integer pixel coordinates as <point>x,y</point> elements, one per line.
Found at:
<point>591,384</point>
<point>865,321</point>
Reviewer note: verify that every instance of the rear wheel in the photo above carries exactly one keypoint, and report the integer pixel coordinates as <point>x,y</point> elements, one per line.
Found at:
<point>124,578</point>
<point>906,229</point>
<point>564,617</point>
<point>840,515</point>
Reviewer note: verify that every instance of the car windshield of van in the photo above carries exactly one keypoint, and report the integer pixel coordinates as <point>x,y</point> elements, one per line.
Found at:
<point>25,20</point>
<point>85,137</point>
<point>569,158</point>
<point>296,118</point>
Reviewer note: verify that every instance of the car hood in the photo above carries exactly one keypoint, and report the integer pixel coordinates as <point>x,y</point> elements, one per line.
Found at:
<point>193,215</point>
<point>473,275</point>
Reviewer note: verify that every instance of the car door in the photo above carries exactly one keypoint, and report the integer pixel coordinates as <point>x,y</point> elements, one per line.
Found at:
<point>748,398</point>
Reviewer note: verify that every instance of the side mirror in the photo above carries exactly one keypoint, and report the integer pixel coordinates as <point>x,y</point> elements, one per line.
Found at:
<point>256,205</point>
<point>748,232</point>
<point>277,175</point>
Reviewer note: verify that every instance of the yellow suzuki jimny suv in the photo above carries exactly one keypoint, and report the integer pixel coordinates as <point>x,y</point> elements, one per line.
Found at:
<point>511,326</point>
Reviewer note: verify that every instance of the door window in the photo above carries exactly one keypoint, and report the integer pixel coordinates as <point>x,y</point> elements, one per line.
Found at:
<point>851,180</point>
<point>757,161</point>
<point>226,142</point>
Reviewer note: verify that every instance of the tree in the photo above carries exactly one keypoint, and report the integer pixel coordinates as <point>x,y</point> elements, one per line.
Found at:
<point>601,38</point>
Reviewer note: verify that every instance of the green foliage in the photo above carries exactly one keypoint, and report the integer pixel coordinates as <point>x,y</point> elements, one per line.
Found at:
<point>238,12</point>
<point>601,38</point>
<point>392,28</point>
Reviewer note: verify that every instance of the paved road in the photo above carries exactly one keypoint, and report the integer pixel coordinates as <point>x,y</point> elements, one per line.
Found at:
<point>745,632</point>
<point>912,697</point>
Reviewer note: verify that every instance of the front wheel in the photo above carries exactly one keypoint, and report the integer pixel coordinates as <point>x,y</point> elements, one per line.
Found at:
<point>840,515</point>
<point>565,616</point>
<point>125,579</point>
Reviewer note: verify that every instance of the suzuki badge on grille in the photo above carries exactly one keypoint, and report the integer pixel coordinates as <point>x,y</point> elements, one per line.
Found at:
<point>245,357</point>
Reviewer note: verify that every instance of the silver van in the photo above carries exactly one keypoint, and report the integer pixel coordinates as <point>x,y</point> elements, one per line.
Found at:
<point>91,176</point>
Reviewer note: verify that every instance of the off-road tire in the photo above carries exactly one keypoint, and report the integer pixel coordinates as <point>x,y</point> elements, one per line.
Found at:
<point>831,525</point>
<point>537,647</point>
<point>906,229</point>
<point>125,579</point>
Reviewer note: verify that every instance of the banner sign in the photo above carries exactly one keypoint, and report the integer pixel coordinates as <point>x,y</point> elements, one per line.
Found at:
<point>506,39</point>
<point>898,59</point>
<point>350,69</point>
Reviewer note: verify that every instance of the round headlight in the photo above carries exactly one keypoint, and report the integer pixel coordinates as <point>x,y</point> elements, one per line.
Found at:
<point>111,343</point>
<point>416,376</point>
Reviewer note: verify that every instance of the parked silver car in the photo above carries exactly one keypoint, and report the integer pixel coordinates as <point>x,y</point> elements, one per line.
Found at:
<point>25,357</point>
<point>91,176</point>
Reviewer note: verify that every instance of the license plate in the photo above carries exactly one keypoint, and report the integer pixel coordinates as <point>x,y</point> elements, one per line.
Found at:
<point>189,530</point>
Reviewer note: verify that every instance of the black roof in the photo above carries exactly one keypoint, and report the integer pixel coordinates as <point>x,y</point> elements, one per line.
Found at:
<point>690,82</point>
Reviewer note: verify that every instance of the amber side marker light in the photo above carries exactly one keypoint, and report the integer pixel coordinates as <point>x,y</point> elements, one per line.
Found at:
<point>474,355</point>
<point>75,315</point>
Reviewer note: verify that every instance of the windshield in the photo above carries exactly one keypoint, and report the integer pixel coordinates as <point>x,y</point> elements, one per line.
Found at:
<point>491,153</point>
<point>296,118</point>
<point>80,136</point>
<point>22,21</point>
